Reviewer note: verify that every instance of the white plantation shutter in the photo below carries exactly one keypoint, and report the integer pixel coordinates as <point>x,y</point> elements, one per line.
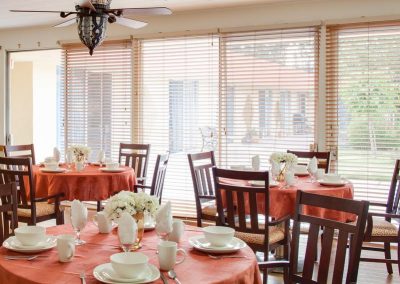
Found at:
<point>179,102</point>
<point>269,90</point>
<point>363,104</point>
<point>97,103</point>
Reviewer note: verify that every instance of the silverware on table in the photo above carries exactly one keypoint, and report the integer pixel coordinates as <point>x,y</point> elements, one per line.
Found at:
<point>25,257</point>
<point>172,275</point>
<point>83,277</point>
<point>226,256</point>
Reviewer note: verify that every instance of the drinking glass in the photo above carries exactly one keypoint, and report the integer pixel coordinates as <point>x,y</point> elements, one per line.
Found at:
<point>312,173</point>
<point>78,227</point>
<point>126,243</point>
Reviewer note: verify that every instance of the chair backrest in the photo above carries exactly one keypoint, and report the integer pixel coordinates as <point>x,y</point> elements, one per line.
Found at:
<point>20,151</point>
<point>237,201</point>
<point>393,203</point>
<point>200,168</point>
<point>8,210</point>
<point>135,156</point>
<point>19,170</point>
<point>355,230</point>
<point>324,158</point>
<point>160,170</point>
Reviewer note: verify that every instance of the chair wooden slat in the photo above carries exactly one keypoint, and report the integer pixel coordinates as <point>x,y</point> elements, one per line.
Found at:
<point>323,157</point>
<point>8,210</point>
<point>340,257</point>
<point>326,249</point>
<point>311,251</point>
<point>20,151</point>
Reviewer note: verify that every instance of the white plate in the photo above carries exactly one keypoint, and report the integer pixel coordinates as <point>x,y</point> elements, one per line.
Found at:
<point>107,170</point>
<point>105,273</point>
<point>13,244</point>
<point>331,183</point>
<point>261,183</point>
<point>58,170</point>
<point>200,243</point>
<point>149,226</point>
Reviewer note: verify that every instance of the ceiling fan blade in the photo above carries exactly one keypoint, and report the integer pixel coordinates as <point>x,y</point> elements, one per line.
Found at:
<point>86,4</point>
<point>130,23</point>
<point>144,11</point>
<point>66,23</point>
<point>37,11</point>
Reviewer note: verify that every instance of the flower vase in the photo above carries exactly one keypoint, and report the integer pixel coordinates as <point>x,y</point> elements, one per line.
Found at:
<point>79,166</point>
<point>281,175</point>
<point>139,218</point>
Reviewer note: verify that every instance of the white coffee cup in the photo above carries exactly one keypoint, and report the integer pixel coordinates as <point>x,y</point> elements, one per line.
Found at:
<point>218,236</point>
<point>51,165</point>
<point>102,222</point>
<point>178,229</point>
<point>65,247</point>
<point>129,264</point>
<point>112,166</point>
<point>30,235</point>
<point>167,252</point>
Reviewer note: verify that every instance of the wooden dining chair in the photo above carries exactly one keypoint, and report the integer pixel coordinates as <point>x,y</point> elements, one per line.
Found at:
<point>31,209</point>
<point>8,210</point>
<point>346,232</point>
<point>2,150</point>
<point>380,226</point>
<point>135,156</point>
<point>157,184</point>
<point>200,168</point>
<point>20,151</point>
<point>324,158</point>
<point>238,208</point>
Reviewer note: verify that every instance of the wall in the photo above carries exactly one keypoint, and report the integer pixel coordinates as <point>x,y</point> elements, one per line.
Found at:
<point>269,15</point>
<point>21,102</point>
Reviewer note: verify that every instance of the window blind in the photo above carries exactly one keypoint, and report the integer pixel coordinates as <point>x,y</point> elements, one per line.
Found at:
<point>363,104</point>
<point>269,92</point>
<point>179,108</point>
<point>96,108</point>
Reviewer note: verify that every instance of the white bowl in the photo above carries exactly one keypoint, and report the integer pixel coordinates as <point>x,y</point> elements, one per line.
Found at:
<point>218,236</point>
<point>51,165</point>
<point>112,166</point>
<point>129,264</point>
<point>30,235</point>
<point>331,178</point>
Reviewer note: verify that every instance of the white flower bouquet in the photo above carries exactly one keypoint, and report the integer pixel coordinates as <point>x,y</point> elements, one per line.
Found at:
<point>79,152</point>
<point>289,159</point>
<point>132,203</point>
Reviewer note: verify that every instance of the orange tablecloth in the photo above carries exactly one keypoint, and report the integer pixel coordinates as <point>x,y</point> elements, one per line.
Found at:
<point>283,200</point>
<point>197,268</point>
<point>91,184</point>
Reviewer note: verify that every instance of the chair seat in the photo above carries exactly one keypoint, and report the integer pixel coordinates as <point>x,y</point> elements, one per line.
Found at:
<point>42,209</point>
<point>276,234</point>
<point>209,208</point>
<point>383,228</point>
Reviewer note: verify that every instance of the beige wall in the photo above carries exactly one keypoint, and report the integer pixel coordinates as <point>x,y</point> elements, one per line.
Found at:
<point>21,86</point>
<point>300,12</point>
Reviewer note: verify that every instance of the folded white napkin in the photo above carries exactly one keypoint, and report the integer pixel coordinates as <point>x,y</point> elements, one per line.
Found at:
<point>56,154</point>
<point>275,168</point>
<point>79,214</point>
<point>289,178</point>
<point>127,229</point>
<point>101,156</point>
<point>313,165</point>
<point>255,162</point>
<point>164,219</point>
<point>69,157</point>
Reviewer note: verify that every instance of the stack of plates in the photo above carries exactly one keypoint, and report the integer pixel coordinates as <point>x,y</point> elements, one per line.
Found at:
<point>106,274</point>
<point>13,244</point>
<point>57,170</point>
<point>200,243</point>
<point>332,183</point>
<point>108,170</point>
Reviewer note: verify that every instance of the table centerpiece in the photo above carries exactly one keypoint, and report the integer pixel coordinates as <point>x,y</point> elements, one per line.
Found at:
<point>80,154</point>
<point>285,162</point>
<point>136,204</point>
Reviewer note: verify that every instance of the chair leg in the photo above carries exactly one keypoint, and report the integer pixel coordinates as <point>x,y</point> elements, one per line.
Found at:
<point>387,256</point>
<point>198,222</point>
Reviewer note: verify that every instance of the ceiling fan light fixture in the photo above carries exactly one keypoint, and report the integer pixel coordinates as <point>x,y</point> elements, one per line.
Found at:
<point>92,30</point>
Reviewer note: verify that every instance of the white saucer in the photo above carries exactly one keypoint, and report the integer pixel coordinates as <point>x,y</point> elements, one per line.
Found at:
<point>58,170</point>
<point>107,170</point>
<point>149,226</point>
<point>105,273</point>
<point>200,243</point>
<point>332,183</point>
<point>261,183</point>
<point>14,245</point>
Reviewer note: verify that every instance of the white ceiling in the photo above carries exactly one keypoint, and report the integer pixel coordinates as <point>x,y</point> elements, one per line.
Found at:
<point>18,20</point>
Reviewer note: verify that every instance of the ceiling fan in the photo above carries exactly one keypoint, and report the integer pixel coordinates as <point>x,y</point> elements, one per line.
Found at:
<point>92,17</point>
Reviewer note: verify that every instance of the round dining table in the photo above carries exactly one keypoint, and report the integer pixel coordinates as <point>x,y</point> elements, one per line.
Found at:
<point>197,267</point>
<point>90,184</point>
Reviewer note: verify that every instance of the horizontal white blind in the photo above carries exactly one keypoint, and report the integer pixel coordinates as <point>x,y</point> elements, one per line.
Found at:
<point>97,101</point>
<point>179,103</point>
<point>363,104</point>
<point>269,83</point>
